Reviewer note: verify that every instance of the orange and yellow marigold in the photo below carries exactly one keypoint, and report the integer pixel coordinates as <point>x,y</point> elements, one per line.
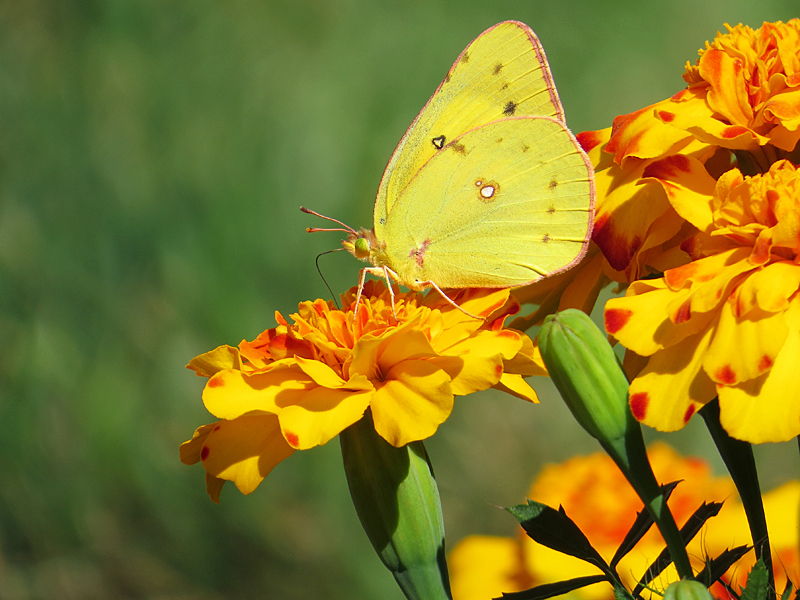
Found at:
<point>703,188</point>
<point>596,496</point>
<point>300,384</point>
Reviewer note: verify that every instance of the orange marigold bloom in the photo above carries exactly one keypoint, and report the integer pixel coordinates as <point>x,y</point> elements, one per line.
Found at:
<point>299,385</point>
<point>727,323</point>
<point>597,497</point>
<point>741,107</point>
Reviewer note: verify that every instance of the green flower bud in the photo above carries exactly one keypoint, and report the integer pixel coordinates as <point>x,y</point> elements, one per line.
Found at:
<point>687,589</point>
<point>591,381</point>
<point>397,500</point>
<point>585,370</point>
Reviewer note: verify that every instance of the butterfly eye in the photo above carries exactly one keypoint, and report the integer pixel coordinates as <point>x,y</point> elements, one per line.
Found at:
<point>362,247</point>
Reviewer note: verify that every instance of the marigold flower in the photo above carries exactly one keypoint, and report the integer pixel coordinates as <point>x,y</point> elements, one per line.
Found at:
<point>726,324</point>
<point>741,107</point>
<point>596,496</point>
<point>298,385</point>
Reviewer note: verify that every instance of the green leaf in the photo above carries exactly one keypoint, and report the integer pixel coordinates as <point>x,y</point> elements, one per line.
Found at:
<point>757,583</point>
<point>688,531</point>
<point>554,529</point>
<point>718,566</point>
<point>549,590</point>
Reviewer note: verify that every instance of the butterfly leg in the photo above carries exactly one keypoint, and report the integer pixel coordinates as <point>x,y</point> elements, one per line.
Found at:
<point>449,300</point>
<point>383,272</point>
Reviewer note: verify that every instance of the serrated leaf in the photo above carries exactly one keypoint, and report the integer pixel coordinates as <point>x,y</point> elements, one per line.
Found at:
<point>688,531</point>
<point>620,593</point>
<point>757,583</point>
<point>554,529</point>
<point>549,590</point>
<point>717,567</point>
<point>642,524</point>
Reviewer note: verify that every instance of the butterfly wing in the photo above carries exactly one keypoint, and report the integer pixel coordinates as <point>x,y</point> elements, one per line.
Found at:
<point>502,73</point>
<point>501,205</point>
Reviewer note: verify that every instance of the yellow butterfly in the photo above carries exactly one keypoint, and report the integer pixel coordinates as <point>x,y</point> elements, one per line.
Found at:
<point>488,187</point>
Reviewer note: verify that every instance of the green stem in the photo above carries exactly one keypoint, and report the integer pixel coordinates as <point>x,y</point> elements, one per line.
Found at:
<point>630,455</point>
<point>741,464</point>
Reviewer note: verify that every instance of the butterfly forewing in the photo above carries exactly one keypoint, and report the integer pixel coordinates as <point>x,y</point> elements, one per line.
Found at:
<point>503,73</point>
<point>502,205</point>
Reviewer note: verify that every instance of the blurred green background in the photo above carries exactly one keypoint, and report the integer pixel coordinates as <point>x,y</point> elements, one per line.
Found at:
<point>153,155</point>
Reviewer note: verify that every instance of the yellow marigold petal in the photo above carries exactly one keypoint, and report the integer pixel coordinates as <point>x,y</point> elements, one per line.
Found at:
<point>689,112</point>
<point>768,288</point>
<point>321,415</point>
<point>688,186</point>
<point>245,450</point>
<point>626,214</point>
<point>527,362</point>
<point>230,394</point>
<point>640,321</point>
<point>728,94</point>
<point>414,400</point>
<point>470,374</point>
<point>190,450</point>
<point>784,110</point>
<point>641,134</point>
<point>214,487</point>
<point>326,377</point>
<point>219,359</point>
<point>516,386</point>
<point>673,385</point>
<point>480,360</point>
<point>484,567</point>
<point>711,280</point>
<point>767,409</point>
<point>410,343</point>
<point>744,347</point>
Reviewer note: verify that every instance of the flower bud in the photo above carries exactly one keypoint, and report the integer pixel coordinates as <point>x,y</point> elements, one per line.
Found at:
<point>586,372</point>
<point>687,589</point>
<point>397,500</point>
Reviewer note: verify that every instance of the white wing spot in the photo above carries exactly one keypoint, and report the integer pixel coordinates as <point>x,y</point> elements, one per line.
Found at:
<point>487,189</point>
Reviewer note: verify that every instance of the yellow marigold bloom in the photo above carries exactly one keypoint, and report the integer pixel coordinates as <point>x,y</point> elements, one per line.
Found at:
<point>597,497</point>
<point>741,107</point>
<point>299,385</point>
<point>726,324</point>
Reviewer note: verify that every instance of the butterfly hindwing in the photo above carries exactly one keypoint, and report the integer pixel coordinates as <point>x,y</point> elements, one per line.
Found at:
<point>503,73</point>
<point>501,205</point>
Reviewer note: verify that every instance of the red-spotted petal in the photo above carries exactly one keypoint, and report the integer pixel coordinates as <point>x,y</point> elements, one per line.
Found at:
<point>673,385</point>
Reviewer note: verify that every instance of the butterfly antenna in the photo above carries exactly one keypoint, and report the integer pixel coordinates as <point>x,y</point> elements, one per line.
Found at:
<point>347,228</point>
<point>325,281</point>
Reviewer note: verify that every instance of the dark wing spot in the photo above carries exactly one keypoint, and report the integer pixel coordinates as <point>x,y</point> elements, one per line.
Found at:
<point>439,141</point>
<point>458,147</point>
<point>551,210</point>
<point>498,140</point>
<point>510,108</point>
<point>465,57</point>
<point>504,86</point>
<point>525,147</point>
<point>497,68</point>
<point>553,184</point>
<point>546,238</point>
<point>447,79</point>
